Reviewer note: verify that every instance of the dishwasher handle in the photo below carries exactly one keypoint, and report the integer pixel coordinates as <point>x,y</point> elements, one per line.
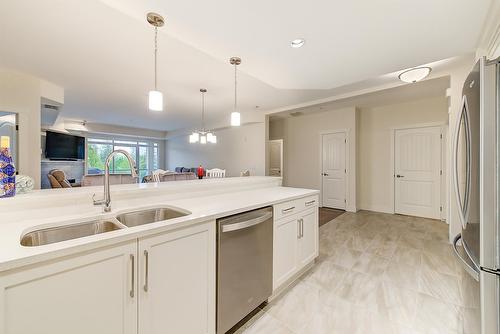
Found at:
<point>247,223</point>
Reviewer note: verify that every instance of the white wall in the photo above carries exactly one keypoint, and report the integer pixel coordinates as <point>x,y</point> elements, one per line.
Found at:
<point>22,94</point>
<point>237,149</point>
<point>301,140</point>
<point>374,154</point>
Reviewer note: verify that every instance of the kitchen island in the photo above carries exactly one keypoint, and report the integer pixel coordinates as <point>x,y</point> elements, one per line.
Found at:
<point>145,278</point>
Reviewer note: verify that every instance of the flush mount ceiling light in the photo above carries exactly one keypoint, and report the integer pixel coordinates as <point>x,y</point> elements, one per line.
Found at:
<point>203,136</point>
<point>297,43</point>
<point>155,96</point>
<point>235,115</point>
<point>415,74</point>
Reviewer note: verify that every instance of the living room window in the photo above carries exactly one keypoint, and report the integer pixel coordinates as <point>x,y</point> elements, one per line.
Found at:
<point>144,152</point>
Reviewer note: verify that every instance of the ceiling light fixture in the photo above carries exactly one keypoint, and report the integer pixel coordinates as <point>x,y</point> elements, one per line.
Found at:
<point>297,43</point>
<point>203,136</point>
<point>415,74</point>
<point>235,115</point>
<point>155,96</point>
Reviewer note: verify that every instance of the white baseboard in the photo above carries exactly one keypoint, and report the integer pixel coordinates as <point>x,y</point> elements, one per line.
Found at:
<point>351,209</point>
<point>376,208</point>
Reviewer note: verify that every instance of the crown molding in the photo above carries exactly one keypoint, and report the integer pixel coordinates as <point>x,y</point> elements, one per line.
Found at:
<point>489,42</point>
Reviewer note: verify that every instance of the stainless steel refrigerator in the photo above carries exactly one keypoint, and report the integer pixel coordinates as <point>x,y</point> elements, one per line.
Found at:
<point>476,177</point>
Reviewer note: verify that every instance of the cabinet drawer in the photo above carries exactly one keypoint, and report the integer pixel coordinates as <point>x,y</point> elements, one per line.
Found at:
<point>292,207</point>
<point>308,202</point>
<point>287,209</point>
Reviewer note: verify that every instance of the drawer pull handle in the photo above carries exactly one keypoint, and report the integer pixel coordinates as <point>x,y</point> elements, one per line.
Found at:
<point>146,274</point>
<point>132,283</point>
<point>287,210</point>
<point>310,202</point>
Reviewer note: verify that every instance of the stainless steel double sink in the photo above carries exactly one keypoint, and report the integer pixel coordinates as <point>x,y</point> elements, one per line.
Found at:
<point>55,234</point>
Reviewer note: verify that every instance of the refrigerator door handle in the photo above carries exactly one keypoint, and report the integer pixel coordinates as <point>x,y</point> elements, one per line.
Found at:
<point>463,203</point>
<point>472,270</point>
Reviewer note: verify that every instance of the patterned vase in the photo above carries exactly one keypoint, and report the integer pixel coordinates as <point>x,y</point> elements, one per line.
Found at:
<point>7,174</point>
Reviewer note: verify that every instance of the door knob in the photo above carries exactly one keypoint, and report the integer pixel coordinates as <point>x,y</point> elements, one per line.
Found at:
<point>398,176</point>
<point>325,174</point>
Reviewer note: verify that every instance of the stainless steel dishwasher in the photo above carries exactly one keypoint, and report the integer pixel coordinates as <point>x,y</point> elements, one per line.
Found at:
<point>244,265</point>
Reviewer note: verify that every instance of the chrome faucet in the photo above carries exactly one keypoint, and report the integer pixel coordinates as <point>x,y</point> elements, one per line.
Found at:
<point>106,202</point>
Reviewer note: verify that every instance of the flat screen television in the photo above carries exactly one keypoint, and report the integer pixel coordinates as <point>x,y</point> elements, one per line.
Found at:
<point>60,146</point>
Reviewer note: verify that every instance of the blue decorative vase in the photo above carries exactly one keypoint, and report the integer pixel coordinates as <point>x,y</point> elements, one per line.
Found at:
<point>7,174</point>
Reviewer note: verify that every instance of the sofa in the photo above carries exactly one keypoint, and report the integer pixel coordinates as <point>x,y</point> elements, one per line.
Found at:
<point>98,179</point>
<point>171,176</point>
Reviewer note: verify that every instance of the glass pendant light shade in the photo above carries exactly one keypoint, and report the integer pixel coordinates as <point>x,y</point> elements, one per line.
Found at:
<point>211,138</point>
<point>203,139</point>
<point>235,118</point>
<point>155,100</point>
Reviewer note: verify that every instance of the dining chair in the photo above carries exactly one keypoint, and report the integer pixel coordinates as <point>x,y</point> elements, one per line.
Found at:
<point>216,173</point>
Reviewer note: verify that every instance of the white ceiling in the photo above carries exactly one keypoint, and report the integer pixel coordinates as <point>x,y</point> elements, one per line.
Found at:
<point>431,88</point>
<point>101,51</point>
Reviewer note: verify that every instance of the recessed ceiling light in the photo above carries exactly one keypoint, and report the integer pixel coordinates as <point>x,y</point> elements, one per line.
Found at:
<point>297,43</point>
<point>415,74</point>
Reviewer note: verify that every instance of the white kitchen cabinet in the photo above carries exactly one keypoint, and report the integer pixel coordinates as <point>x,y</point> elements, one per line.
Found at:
<point>285,255</point>
<point>296,238</point>
<point>159,284</point>
<point>177,281</point>
<point>89,293</point>
<point>308,242</point>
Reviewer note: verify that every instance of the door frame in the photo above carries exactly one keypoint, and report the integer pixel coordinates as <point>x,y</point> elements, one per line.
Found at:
<point>347,165</point>
<point>281,157</point>
<point>444,164</point>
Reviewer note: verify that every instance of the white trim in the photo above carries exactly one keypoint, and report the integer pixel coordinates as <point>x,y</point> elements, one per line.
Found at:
<point>489,41</point>
<point>445,162</point>
<point>282,149</point>
<point>443,197</point>
<point>347,165</point>
<point>377,208</point>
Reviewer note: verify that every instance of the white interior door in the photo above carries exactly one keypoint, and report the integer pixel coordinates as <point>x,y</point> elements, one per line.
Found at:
<point>417,169</point>
<point>334,170</point>
<point>276,157</point>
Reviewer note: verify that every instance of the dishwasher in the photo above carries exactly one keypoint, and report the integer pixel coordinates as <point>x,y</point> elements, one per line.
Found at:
<point>244,265</point>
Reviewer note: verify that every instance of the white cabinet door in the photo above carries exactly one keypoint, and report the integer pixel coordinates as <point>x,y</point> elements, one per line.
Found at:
<point>91,293</point>
<point>334,170</point>
<point>177,281</point>
<point>286,235</point>
<point>308,241</point>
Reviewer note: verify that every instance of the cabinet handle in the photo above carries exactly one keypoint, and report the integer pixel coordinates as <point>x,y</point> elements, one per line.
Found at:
<point>146,275</point>
<point>310,202</point>
<point>298,228</point>
<point>132,283</point>
<point>301,228</point>
<point>287,210</point>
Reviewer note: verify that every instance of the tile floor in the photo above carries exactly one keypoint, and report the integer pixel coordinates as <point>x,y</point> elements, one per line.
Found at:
<point>376,273</point>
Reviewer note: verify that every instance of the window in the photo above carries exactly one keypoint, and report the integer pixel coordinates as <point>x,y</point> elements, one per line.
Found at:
<point>145,153</point>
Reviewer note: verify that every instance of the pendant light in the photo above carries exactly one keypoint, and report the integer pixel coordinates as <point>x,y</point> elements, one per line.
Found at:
<point>203,136</point>
<point>235,115</point>
<point>155,96</point>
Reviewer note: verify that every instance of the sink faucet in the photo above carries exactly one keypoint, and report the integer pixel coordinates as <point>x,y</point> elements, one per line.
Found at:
<point>106,202</point>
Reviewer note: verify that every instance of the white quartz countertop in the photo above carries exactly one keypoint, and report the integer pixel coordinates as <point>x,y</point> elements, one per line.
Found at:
<point>205,199</point>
